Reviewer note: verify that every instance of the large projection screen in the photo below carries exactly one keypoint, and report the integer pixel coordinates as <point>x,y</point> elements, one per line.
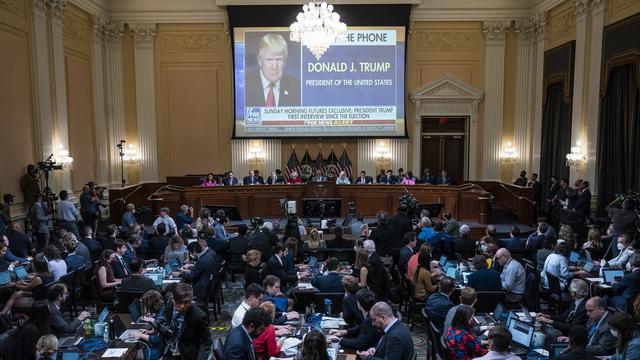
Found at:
<point>356,88</point>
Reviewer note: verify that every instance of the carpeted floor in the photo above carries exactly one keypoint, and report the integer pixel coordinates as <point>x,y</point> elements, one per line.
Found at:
<point>233,293</point>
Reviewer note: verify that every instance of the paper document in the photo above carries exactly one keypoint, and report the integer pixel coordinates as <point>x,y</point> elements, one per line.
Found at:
<point>595,279</point>
<point>114,352</point>
<point>290,342</point>
<point>305,285</point>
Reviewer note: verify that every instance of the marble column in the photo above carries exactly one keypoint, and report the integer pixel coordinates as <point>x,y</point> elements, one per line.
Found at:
<point>143,42</point>
<point>494,97</point>
<point>523,125</point>
<point>44,113</point>
<point>114,87</point>
<point>99,109</point>
<point>540,25</point>
<point>60,88</point>
<point>579,81</point>
<point>593,94</point>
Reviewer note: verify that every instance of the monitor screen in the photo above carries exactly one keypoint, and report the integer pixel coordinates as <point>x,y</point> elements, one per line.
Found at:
<point>354,89</point>
<point>443,260</point>
<point>156,277</point>
<point>498,312</point>
<point>451,272</point>
<point>69,355</point>
<point>588,266</point>
<point>574,257</point>
<point>521,333</point>
<point>21,272</point>
<point>609,275</point>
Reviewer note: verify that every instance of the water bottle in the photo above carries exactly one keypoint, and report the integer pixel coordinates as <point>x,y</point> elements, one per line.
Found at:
<point>105,333</point>
<point>327,306</point>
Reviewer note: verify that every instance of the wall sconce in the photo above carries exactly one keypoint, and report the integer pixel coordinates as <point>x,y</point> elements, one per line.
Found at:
<point>130,157</point>
<point>382,156</point>
<point>65,159</point>
<point>508,156</point>
<point>576,158</point>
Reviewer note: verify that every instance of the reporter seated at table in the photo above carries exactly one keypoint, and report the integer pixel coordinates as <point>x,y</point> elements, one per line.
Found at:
<point>153,304</point>
<point>253,259</point>
<point>313,240</point>
<point>351,313</point>
<point>238,344</point>
<point>396,343</point>
<point>331,280</point>
<point>468,296</point>
<point>625,329</point>
<point>460,342</point>
<point>439,303</point>
<point>339,241</point>
<point>365,335</point>
<point>266,345</point>
<point>252,298</point>
<point>578,338</point>
<point>176,251</point>
<point>499,340</point>
<point>105,280</point>
<point>628,288</point>
<point>275,266</point>
<point>623,245</point>
<point>271,285</point>
<point>28,291</point>
<point>557,264</point>
<point>120,267</point>
<point>576,315</point>
<point>422,280</point>
<point>373,273</point>
<point>484,279</point>
<point>136,282</point>
<point>57,266</point>
<point>58,295</point>
<point>314,347</point>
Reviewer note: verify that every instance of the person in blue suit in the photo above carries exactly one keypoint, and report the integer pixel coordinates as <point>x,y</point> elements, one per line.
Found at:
<point>438,304</point>
<point>206,266</point>
<point>332,281</point>
<point>484,279</point>
<point>239,342</point>
<point>73,260</point>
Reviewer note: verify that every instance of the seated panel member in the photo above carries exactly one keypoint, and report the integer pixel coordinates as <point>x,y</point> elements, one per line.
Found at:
<point>229,179</point>
<point>332,281</point>
<point>342,179</point>
<point>365,335</point>
<point>319,177</point>
<point>443,179</point>
<point>276,178</point>
<point>364,178</point>
<point>254,178</point>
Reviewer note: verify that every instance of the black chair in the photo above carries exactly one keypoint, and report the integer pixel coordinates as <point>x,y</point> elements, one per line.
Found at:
<point>437,343</point>
<point>235,265</point>
<point>336,302</point>
<point>414,303</point>
<point>125,298</point>
<point>488,300</point>
<point>427,331</point>
<point>203,303</point>
<point>557,297</point>
<point>218,299</point>
<point>67,279</point>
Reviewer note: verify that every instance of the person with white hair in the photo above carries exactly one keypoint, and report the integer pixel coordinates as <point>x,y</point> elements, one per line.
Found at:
<point>426,229</point>
<point>576,315</point>
<point>375,276</point>
<point>184,217</point>
<point>264,240</point>
<point>342,179</point>
<point>463,245</point>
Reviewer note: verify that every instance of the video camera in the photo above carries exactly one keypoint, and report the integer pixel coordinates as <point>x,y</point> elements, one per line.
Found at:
<point>632,196</point>
<point>48,165</point>
<point>256,222</point>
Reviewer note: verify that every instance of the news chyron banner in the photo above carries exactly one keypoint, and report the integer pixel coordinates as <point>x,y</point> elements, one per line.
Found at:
<point>356,88</point>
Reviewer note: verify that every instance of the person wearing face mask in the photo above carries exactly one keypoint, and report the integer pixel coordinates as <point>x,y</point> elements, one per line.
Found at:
<point>624,329</point>
<point>628,287</point>
<point>576,315</point>
<point>625,252</point>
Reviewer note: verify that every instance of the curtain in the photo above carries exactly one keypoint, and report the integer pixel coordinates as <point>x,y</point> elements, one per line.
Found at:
<point>618,153</point>
<point>556,136</point>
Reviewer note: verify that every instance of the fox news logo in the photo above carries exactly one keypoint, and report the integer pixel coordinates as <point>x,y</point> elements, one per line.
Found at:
<point>252,116</point>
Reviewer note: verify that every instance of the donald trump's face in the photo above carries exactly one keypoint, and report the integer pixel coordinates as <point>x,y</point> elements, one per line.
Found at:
<point>271,64</point>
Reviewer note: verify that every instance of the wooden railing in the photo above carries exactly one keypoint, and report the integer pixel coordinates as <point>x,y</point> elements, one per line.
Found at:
<point>517,199</point>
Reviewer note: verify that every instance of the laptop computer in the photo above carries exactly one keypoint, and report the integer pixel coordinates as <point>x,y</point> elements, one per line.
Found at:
<point>68,355</point>
<point>521,336</point>
<point>486,319</point>
<point>71,341</point>
<point>313,261</point>
<point>556,348</point>
<point>452,272</point>
<point>443,261</point>
<point>509,318</point>
<point>135,309</point>
<point>5,278</point>
<point>608,275</point>
<point>588,266</point>
<point>156,277</point>
<point>574,257</point>
<point>281,303</point>
<point>21,272</point>
<point>103,315</point>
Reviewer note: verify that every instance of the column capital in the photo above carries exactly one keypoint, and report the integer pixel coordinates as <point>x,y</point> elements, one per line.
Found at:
<point>40,7</point>
<point>113,31</point>
<point>524,28</point>
<point>580,7</point>
<point>539,22</point>
<point>495,30</point>
<point>597,6</point>
<point>57,9</point>
<point>99,26</point>
<point>143,33</point>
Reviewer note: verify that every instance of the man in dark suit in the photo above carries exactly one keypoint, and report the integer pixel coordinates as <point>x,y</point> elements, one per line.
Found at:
<point>73,260</point>
<point>319,177</point>
<point>339,241</point>
<point>628,287</point>
<point>275,266</point>
<point>108,242</point>
<point>332,281</point>
<point>522,180</point>
<point>92,244</point>
<point>238,344</point>
<point>19,243</point>
<point>363,336</point>
<point>229,179</point>
<point>390,179</point>
<point>383,234</point>
<point>406,252</point>
<point>270,86</point>
<point>192,338</point>
<point>137,281</point>
<point>364,179</point>
<point>464,245</point>
<point>254,178</point>
<point>239,244</point>
<point>396,343</point>
<point>484,279</point>
<point>438,304</point>
<point>206,267</point>
<point>576,315</point>
<point>158,244</point>
<point>443,179</point>
<point>351,313</point>
<point>382,177</point>
<point>57,295</point>
<point>537,188</point>
<point>515,241</point>
<point>120,268</point>
<point>583,202</point>
<point>401,224</point>
<point>601,341</point>
<point>264,240</point>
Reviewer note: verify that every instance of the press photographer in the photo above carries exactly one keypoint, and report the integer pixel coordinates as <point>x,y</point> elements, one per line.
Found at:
<point>623,211</point>
<point>89,201</point>
<point>30,185</point>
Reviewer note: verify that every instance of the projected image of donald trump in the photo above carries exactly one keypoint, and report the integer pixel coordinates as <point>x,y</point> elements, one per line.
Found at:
<point>270,86</point>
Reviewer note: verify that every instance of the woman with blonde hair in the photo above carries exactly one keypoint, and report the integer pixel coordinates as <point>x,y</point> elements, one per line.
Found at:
<point>567,234</point>
<point>252,270</point>
<point>47,346</point>
<point>266,345</point>
<point>314,241</point>
<point>176,252</point>
<point>594,244</point>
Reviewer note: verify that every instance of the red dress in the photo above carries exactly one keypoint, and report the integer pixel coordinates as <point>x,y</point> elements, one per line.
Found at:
<point>297,180</point>
<point>265,345</point>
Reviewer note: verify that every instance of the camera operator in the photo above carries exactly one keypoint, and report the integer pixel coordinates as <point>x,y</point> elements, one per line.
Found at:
<point>40,222</point>
<point>67,215</point>
<point>624,219</point>
<point>30,185</point>
<point>5,213</point>
<point>187,334</point>
<point>89,206</point>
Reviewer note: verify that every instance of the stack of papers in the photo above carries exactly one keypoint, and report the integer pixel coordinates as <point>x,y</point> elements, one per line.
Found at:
<point>290,342</point>
<point>116,352</point>
<point>305,286</point>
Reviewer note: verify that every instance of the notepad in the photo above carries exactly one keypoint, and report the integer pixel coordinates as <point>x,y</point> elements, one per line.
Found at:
<point>290,342</point>
<point>116,352</point>
<point>598,279</point>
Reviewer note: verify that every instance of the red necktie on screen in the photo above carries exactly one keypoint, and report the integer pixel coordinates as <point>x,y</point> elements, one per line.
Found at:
<point>271,98</point>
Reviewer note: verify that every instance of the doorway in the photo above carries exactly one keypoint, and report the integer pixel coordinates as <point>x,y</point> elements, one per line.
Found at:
<point>444,146</point>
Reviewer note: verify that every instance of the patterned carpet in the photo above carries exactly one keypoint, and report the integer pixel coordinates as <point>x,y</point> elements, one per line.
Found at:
<point>234,292</point>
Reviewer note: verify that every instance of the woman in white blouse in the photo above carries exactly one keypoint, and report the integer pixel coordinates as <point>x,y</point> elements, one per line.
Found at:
<point>57,266</point>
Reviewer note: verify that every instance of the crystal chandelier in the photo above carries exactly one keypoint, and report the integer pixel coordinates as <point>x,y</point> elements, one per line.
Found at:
<point>576,158</point>
<point>317,27</point>
<point>508,156</point>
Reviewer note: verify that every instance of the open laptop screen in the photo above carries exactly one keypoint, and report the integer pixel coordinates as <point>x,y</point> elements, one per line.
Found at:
<point>609,275</point>
<point>588,266</point>
<point>498,312</point>
<point>521,333</point>
<point>574,257</point>
<point>443,260</point>
<point>5,278</point>
<point>103,315</point>
<point>21,272</point>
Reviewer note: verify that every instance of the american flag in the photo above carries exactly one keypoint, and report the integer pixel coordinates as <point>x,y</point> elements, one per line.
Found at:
<point>292,165</point>
<point>344,164</point>
<point>319,164</point>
